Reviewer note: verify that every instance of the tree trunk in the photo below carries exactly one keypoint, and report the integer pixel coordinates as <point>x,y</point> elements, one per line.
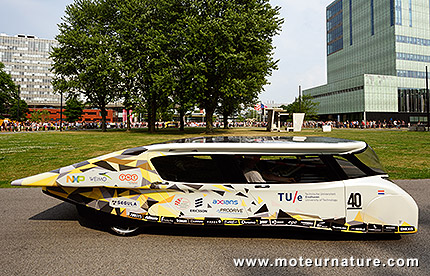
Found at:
<point>103,113</point>
<point>128,121</point>
<point>181,119</point>
<point>152,115</point>
<point>209,120</point>
<point>225,119</point>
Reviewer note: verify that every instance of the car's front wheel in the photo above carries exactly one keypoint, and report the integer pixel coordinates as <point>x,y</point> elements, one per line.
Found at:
<point>124,230</point>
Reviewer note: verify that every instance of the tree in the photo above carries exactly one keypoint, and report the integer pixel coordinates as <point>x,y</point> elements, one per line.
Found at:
<point>231,46</point>
<point>73,109</point>
<point>303,105</point>
<point>85,60</point>
<point>8,92</point>
<point>144,44</point>
<point>19,114</point>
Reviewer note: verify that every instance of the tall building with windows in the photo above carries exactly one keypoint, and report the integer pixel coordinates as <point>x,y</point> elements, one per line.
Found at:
<point>26,59</point>
<point>377,53</point>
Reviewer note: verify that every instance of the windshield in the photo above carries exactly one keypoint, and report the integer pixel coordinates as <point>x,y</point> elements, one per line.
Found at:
<point>369,158</point>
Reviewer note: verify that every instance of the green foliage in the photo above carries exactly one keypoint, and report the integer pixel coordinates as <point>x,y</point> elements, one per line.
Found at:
<point>39,116</point>
<point>212,53</point>
<point>230,52</point>
<point>8,91</point>
<point>73,109</point>
<point>304,105</point>
<point>85,60</point>
<point>19,114</point>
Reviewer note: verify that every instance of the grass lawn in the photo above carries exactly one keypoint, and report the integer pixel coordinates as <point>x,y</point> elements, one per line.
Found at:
<point>405,155</point>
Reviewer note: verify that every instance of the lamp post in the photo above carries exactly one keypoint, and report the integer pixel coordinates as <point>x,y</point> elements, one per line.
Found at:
<point>428,100</point>
<point>61,111</point>
<point>18,99</point>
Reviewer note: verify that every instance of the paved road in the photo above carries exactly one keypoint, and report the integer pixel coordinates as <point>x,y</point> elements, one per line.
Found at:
<point>41,235</point>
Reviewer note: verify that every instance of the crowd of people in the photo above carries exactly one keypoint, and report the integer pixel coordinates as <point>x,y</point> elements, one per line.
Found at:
<point>13,126</point>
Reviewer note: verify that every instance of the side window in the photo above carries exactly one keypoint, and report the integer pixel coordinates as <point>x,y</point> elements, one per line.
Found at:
<point>199,168</point>
<point>289,169</point>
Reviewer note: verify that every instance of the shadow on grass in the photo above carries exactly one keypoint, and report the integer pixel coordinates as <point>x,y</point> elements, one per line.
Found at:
<point>66,211</point>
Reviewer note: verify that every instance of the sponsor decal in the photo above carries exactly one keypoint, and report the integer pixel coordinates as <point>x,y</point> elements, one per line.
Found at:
<point>406,228</point>
<point>231,221</point>
<point>98,179</point>
<point>381,192</point>
<point>75,178</point>
<point>374,228</point>
<point>390,228</point>
<point>292,222</point>
<point>182,203</point>
<point>264,222</point>
<point>181,220</point>
<point>123,202</point>
<point>338,227</point>
<point>196,221</point>
<point>290,197</point>
<point>278,222</point>
<point>135,215</point>
<point>322,224</point>
<point>128,177</point>
<point>198,211</point>
<point>359,227</point>
<point>225,201</point>
<point>230,210</point>
<point>167,220</point>
<point>213,221</point>
<point>248,222</point>
<point>151,218</point>
<point>307,223</point>
<point>198,202</point>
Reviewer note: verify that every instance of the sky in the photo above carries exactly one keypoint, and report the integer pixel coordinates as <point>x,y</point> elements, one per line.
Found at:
<point>300,47</point>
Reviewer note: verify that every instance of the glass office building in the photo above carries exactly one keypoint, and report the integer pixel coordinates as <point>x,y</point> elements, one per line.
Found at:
<point>26,59</point>
<point>377,53</point>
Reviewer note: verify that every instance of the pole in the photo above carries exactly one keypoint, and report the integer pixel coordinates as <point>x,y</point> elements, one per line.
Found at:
<point>300,99</point>
<point>428,100</point>
<point>61,112</point>
<point>18,99</point>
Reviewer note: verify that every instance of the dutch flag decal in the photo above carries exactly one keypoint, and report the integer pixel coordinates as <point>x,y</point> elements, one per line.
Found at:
<point>381,192</point>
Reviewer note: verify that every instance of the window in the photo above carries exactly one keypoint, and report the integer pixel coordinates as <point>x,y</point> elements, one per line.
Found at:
<point>398,12</point>
<point>372,19</point>
<point>282,169</point>
<point>350,22</point>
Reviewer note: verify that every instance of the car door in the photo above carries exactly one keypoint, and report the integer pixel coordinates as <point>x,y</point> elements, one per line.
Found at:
<point>315,199</point>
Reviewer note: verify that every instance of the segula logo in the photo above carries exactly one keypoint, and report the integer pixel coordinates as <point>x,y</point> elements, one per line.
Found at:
<point>128,177</point>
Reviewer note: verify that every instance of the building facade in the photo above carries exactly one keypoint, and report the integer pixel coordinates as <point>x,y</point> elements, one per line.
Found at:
<point>27,60</point>
<point>377,53</point>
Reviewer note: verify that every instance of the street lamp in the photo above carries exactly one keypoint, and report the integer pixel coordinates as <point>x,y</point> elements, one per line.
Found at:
<point>18,99</point>
<point>61,111</point>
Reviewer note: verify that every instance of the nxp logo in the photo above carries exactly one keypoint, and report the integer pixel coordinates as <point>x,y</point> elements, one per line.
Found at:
<point>128,177</point>
<point>75,178</point>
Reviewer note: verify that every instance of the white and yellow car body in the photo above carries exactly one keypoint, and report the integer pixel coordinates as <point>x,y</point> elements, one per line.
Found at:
<point>331,184</point>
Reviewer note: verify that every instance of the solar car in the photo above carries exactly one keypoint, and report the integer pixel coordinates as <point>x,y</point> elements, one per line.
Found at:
<point>320,183</point>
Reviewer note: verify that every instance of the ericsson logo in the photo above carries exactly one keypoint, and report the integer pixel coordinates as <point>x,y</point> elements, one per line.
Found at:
<point>198,202</point>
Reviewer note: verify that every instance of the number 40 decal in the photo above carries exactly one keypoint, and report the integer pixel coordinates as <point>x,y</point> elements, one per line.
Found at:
<point>354,201</point>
